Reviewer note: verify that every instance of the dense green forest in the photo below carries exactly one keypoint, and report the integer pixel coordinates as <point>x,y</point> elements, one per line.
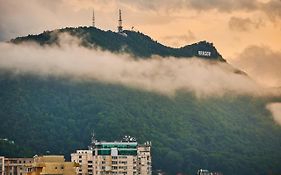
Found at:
<point>136,43</point>
<point>232,134</point>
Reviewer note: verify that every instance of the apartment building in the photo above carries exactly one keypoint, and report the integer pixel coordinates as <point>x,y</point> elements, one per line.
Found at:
<point>51,165</point>
<point>14,166</point>
<point>125,157</point>
<point>85,159</point>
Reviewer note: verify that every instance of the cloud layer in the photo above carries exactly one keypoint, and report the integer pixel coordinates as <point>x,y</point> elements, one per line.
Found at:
<point>270,7</point>
<point>261,63</point>
<point>243,24</point>
<point>275,109</point>
<point>165,76</point>
<point>162,75</point>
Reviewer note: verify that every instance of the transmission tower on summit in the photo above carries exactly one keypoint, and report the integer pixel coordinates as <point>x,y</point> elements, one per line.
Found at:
<point>120,28</point>
<point>93,24</point>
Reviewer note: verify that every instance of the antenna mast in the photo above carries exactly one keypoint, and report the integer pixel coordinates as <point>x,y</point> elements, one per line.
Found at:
<point>94,25</point>
<point>120,28</point>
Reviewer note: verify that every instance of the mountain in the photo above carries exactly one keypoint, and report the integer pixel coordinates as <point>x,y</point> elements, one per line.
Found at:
<point>233,134</point>
<point>135,43</point>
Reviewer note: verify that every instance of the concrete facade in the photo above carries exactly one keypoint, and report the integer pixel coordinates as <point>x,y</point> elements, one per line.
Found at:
<point>85,159</point>
<point>2,165</point>
<point>124,158</point>
<point>144,160</point>
<point>50,165</point>
<point>14,166</point>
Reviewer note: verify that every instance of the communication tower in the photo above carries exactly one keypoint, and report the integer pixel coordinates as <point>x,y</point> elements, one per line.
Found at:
<point>94,25</point>
<point>120,28</point>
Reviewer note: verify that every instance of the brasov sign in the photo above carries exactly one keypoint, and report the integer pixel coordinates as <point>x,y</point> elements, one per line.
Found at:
<point>204,53</point>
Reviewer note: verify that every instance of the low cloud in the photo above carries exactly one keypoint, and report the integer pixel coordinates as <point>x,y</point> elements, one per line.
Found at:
<point>222,5</point>
<point>275,109</point>
<point>261,63</point>
<point>20,18</point>
<point>243,24</point>
<point>161,75</point>
<point>270,8</point>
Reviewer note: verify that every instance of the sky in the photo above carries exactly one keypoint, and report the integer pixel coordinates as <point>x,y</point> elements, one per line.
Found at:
<point>241,30</point>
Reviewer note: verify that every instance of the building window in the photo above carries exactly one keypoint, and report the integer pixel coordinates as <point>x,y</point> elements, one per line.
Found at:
<point>123,162</point>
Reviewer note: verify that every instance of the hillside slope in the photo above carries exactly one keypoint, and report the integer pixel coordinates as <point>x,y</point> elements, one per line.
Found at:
<point>235,135</point>
<point>135,43</point>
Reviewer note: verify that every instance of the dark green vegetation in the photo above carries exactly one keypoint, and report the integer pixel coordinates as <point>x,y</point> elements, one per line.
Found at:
<point>135,43</point>
<point>231,134</point>
<point>235,135</point>
<point>12,150</point>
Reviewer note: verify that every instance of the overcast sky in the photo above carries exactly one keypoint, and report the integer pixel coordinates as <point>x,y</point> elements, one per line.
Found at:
<point>238,28</point>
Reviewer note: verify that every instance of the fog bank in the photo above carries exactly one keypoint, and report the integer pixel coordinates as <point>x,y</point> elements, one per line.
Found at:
<point>275,109</point>
<point>161,75</point>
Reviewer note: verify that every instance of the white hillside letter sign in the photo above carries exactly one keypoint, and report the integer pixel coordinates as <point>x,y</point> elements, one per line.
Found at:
<point>204,53</point>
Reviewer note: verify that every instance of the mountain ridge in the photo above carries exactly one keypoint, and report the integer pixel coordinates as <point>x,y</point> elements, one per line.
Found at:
<point>135,43</point>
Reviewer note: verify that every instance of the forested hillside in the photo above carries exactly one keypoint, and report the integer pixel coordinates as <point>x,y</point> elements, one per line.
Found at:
<point>134,43</point>
<point>232,134</point>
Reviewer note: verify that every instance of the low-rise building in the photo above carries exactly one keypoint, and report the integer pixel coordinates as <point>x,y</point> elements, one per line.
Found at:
<point>14,166</point>
<point>51,165</point>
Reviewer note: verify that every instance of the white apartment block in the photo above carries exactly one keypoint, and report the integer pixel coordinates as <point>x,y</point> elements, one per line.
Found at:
<point>114,158</point>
